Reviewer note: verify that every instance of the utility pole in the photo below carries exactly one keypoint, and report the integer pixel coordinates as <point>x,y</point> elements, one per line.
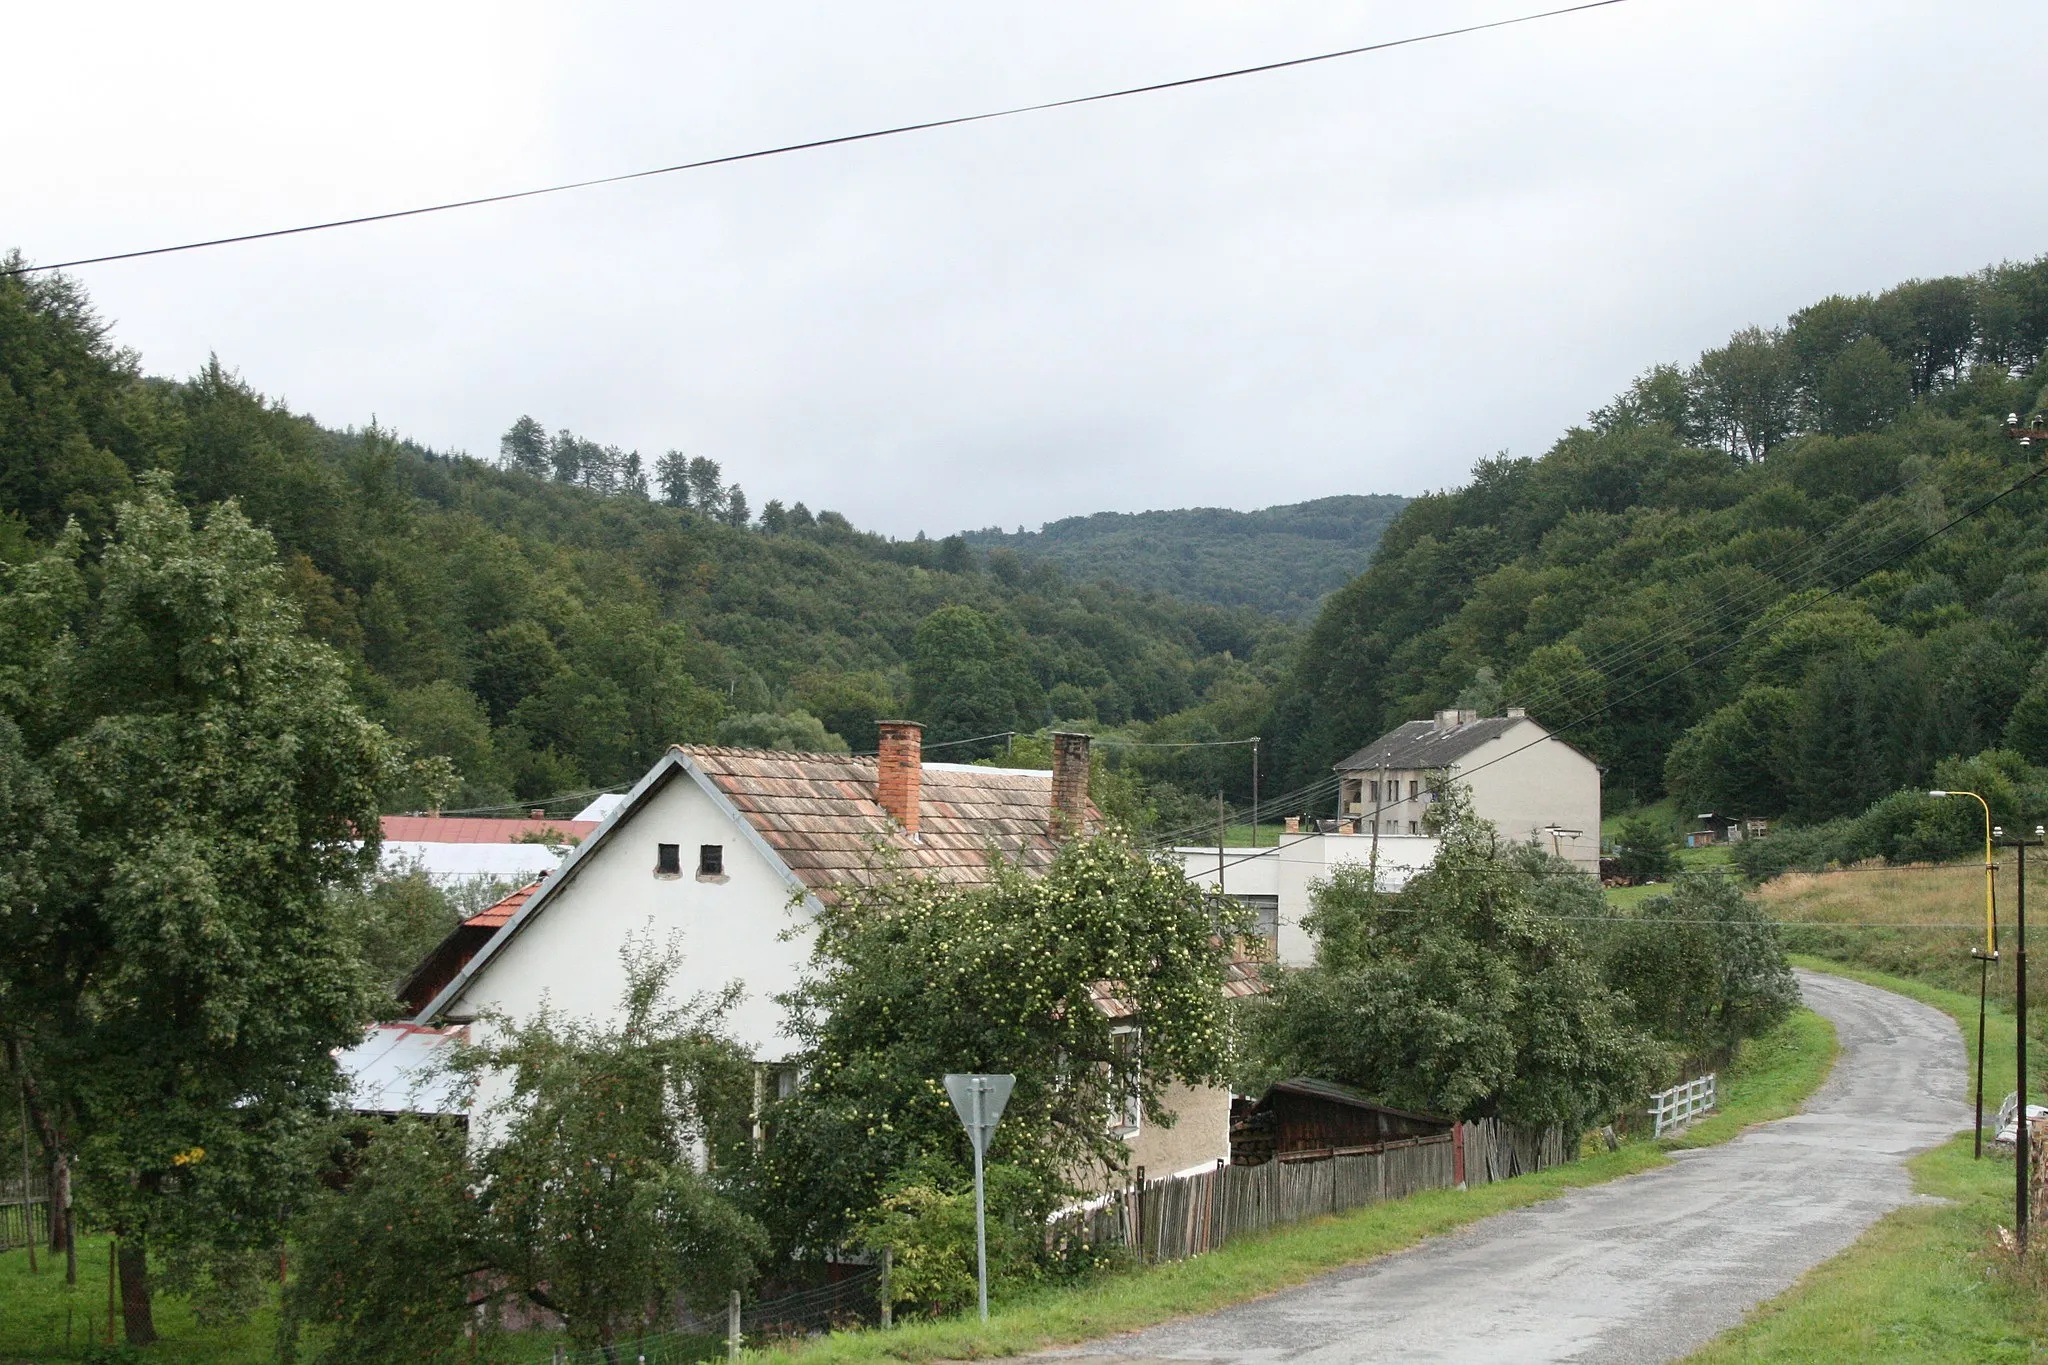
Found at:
<point>1986,957</point>
<point>1255,791</point>
<point>1219,841</point>
<point>2019,963</point>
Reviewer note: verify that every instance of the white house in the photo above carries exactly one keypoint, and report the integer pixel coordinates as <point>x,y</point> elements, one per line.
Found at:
<point>1532,785</point>
<point>732,849</point>
<point>1274,880</point>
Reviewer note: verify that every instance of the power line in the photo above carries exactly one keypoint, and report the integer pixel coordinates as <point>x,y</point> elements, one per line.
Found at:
<point>819,143</point>
<point>1968,514</point>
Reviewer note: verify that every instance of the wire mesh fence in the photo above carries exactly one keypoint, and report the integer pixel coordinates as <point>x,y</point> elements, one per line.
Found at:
<point>850,1301</point>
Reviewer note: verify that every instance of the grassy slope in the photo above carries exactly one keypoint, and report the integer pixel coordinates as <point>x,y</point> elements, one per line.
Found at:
<point>1921,1285</point>
<point>1773,1077</point>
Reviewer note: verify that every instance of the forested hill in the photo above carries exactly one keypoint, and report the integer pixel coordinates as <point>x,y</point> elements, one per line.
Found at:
<point>1722,559</point>
<point>1280,560</point>
<point>550,620</point>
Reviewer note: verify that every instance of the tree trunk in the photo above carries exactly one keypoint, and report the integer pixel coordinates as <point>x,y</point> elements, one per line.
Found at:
<point>58,1162</point>
<point>135,1316</point>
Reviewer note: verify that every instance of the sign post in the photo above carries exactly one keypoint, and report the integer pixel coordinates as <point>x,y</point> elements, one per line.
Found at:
<point>979,1101</point>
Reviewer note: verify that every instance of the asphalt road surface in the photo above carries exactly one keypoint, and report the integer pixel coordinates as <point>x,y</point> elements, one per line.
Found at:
<point>1644,1269</point>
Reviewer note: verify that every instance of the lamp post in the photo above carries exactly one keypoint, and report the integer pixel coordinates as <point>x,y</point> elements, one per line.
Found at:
<point>1985,958</point>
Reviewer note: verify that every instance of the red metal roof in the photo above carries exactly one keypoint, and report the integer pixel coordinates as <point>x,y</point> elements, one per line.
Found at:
<point>452,829</point>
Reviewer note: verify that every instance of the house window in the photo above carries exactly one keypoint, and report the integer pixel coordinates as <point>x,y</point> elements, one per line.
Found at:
<point>1266,912</point>
<point>711,860</point>
<point>1127,1108</point>
<point>1375,793</point>
<point>668,860</point>
<point>1411,827</point>
<point>1414,788</point>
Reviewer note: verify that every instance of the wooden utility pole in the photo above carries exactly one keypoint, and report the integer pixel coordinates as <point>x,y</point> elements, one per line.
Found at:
<point>2019,963</point>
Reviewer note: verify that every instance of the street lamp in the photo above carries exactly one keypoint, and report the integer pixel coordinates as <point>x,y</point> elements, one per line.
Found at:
<point>1984,959</point>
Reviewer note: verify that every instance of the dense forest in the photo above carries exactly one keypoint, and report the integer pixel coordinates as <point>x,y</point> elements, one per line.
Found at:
<point>1723,582</point>
<point>548,621</point>
<point>1281,560</point>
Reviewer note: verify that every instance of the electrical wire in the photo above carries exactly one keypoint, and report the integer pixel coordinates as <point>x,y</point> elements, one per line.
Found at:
<point>819,143</point>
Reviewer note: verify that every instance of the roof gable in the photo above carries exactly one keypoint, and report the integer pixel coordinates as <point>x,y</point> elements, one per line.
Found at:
<point>815,818</point>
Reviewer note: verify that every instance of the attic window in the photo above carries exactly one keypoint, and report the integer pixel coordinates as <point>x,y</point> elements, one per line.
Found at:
<point>668,860</point>
<point>711,860</point>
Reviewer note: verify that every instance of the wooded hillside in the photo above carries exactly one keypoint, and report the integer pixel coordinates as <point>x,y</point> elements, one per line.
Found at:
<point>1654,563</point>
<point>551,622</point>
<point>1281,560</point>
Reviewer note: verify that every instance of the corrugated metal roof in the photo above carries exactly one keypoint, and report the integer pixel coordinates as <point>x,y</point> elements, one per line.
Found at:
<point>396,1070</point>
<point>1419,744</point>
<point>453,829</point>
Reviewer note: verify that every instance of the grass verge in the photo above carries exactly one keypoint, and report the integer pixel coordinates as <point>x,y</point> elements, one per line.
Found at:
<point>43,1319</point>
<point>1923,1284</point>
<point>1771,1078</point>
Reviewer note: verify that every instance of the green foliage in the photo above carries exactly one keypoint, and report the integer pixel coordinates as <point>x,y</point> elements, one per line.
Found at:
<point>968,679</point>
<point>1280,561</point>
<point>1687,565</point>
<point>927,1222</point>
<point>1465,993</point>
<point>797,732</point>
<point>912,979</point>
<point>589,619</point>
<point>175,981</point>
<point>1702,969</point>
<point>1644,848</point>
<point>579,1191</point>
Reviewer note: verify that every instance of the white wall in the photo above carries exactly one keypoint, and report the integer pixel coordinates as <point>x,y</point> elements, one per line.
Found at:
<point>1543,784</point>
<point>568,954</point>
<point>1287,869</point>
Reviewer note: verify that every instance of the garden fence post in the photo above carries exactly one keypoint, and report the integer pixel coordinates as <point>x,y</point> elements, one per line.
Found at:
<point>732,1326</point>
<point>888,1308</point>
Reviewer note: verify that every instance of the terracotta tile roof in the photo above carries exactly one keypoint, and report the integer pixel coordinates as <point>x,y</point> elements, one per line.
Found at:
<point>819,813</point>
<point>492,916</point>
<point>452,829</point>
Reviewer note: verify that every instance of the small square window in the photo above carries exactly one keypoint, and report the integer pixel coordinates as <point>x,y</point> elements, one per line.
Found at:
<point>711,860</point>
<point>668,860</point>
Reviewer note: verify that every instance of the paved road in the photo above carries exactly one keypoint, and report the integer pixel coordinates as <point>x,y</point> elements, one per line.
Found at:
<point>1644,1269</point>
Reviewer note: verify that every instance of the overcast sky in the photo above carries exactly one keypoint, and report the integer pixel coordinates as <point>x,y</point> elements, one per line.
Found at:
<point>1356,277</point>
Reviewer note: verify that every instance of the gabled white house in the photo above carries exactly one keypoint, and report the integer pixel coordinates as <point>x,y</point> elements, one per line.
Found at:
<point>736,851</point>
<point>1534,786</point>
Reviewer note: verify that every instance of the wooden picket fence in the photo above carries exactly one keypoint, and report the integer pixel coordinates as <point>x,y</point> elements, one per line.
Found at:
<point>24,1212</point>
<point>1177,1217</point>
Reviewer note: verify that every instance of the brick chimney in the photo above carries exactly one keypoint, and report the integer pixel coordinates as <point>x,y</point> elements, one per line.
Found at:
<point>1069,783</point>
<point>900,771</point>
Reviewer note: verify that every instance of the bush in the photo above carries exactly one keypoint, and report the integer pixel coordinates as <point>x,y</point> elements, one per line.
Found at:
<point>1645,845</point>
<point>927,1223</point>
